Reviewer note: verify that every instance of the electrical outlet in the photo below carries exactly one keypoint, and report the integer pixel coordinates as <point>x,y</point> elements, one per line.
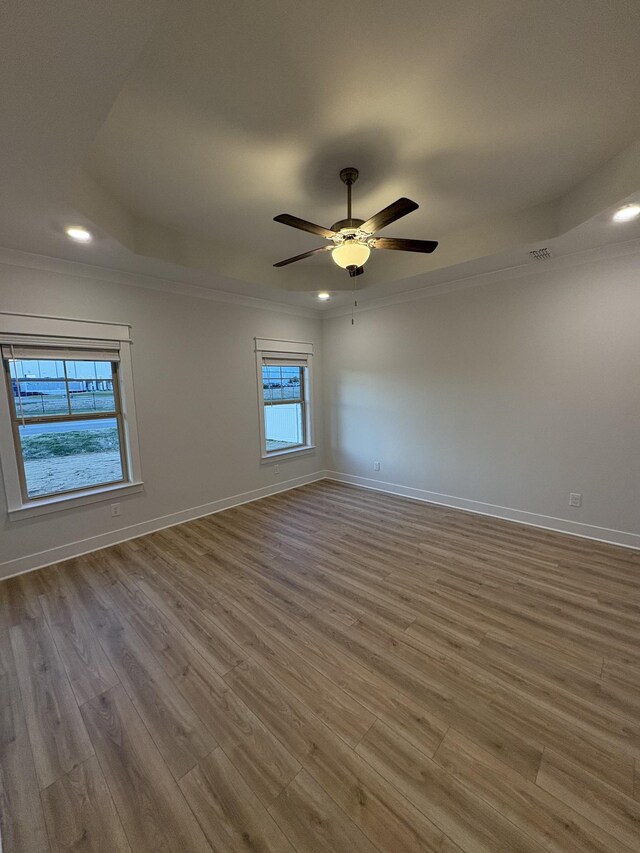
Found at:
<point>276,469</point>
<point>575,499</point>
<point>376,466</point>
<point>115,510</point>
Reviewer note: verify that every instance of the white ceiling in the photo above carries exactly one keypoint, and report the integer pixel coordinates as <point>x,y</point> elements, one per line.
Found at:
<point>177,132</point>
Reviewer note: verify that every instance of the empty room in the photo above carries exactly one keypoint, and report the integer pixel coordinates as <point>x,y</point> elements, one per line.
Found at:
<point>319,426</point>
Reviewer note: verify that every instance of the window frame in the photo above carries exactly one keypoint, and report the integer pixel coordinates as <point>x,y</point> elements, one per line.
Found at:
<point>286,352</point>
<point>55,333</point>
<point>17,420</point>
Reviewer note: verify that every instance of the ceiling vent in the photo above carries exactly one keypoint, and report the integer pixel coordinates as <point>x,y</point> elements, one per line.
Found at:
<point>543,254</point>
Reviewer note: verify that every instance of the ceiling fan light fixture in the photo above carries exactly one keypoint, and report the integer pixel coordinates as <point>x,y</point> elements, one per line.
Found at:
<point>351,253</point>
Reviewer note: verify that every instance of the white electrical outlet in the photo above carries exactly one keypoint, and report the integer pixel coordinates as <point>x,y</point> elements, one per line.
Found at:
<point>115,510</point>
<point>575,499</point>
<point>276,469</point>
<point>376,466</point>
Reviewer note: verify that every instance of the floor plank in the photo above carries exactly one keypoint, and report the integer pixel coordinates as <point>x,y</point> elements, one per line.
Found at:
<point>470,712</point>
<point>588,795</point>
<point>150,804</point>
<point>261,758</point>
<point>231,816</point>
<point>465,817</point>
<point>84,660</point>
<point>313,822</point>
<point>375,693</point>
<point>344,715</point>
<point>80,813</point>
<point>22,826</point>
<point>390,821</point>
<point>9,690</point>
<point>546,819</point>
<point>57,734</point>
<point>178,732</point>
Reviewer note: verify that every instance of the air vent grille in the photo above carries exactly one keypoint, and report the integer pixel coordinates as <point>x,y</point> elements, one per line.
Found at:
<point>543,254</point>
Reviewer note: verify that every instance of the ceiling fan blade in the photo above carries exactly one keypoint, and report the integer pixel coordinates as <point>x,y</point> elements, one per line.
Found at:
<point>303,225</point>
<point>389,214</point>
<point>305,255</point>
<point>404,245</point>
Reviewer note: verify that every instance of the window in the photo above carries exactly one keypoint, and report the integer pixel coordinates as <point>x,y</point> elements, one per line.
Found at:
<point>284,382</point>
<point>66,420</point>
<point>284,406</point>
<point>69,435</point>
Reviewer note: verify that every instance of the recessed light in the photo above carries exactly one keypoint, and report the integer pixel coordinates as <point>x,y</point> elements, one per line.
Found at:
<point>323,296</point>
<point>78,233</point>
<point>627,213</point>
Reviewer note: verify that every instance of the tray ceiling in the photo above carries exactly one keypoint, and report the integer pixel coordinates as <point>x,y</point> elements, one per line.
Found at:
<point>184,128</point>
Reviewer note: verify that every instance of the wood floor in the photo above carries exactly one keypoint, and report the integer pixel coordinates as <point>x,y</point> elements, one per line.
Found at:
<point>330,669</point>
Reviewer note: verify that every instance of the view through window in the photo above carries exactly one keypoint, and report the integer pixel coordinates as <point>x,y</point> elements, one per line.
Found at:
<point>284,406</point>
<point>67,423</point>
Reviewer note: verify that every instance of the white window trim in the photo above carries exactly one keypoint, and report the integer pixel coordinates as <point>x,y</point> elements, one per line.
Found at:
<point>45,331</point>
<point>269,347</point>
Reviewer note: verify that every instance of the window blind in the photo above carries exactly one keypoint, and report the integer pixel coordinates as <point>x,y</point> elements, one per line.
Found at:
<point>285,359</point>
<point>273,347</point>
<point>67,353</point>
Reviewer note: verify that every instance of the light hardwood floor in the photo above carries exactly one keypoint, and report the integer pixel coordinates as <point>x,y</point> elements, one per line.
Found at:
<point>329,669</point>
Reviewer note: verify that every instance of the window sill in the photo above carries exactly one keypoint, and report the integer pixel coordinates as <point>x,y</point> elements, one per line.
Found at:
<point>60,502</point>
<point>277,455</point>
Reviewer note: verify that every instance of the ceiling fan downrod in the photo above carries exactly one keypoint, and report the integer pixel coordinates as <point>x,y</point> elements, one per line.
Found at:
<point>349,176</point>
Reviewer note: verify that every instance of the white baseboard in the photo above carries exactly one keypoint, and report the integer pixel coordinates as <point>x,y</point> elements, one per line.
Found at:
<point>29,563</point>
<point>547,522</point>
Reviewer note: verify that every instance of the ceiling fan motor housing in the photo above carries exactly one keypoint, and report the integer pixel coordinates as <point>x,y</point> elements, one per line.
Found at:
<point>347,223</point>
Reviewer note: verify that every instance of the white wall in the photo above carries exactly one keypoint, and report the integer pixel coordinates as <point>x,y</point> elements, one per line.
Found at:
<point>501,398</point>
<point>513,394</point>
<point>196,398</point>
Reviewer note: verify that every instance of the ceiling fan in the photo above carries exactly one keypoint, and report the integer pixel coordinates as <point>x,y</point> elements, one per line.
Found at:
<point>352,239</point>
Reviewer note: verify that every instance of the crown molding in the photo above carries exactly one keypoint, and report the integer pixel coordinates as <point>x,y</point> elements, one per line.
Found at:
<point>28,260</point>
<point>572,259</point>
